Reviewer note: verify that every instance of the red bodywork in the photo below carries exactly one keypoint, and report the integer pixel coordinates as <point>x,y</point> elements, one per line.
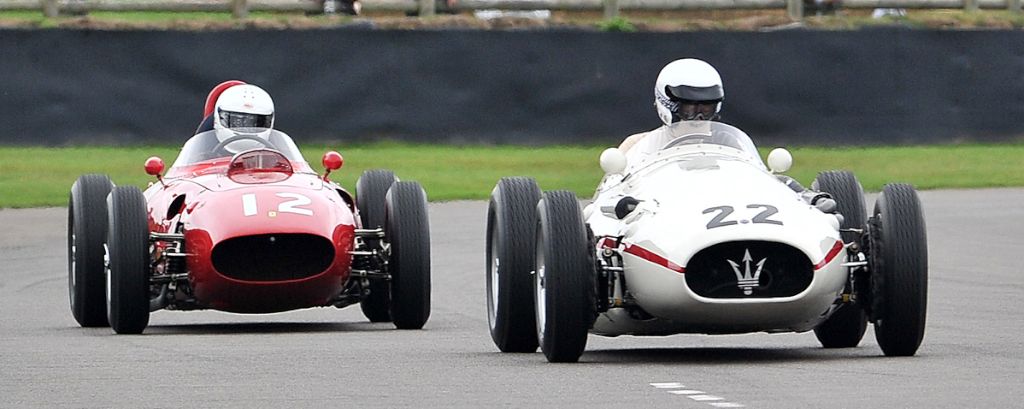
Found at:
<point>212,209</point>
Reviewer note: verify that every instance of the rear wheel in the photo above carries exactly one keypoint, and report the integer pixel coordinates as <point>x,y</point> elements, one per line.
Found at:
<point>511,220</point>
<point>128,252</point>
<point>564,279</point>
<point>849,195</point>
<point>898,259</point>
<point>371,189</point>
<point>87,232</point>
<point>408,233</point>
<point>845,328</point>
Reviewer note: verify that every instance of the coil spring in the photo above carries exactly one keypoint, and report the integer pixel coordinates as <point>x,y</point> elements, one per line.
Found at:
<point>362,263</point>
<point>368,263</point>
<point>175,265</point>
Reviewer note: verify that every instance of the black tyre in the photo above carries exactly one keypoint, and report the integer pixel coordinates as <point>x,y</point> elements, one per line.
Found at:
<point>564,279</point>
<point>849,196</point>
<point>845,328</point>
<point>87,231</point>
<point>511,220</point>
<point>128,252</point>
<point>408,232</point>
<point>898,259</point>
<point>371,189</point>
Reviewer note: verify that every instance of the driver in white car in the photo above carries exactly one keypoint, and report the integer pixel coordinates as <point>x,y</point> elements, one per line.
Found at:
<point>686,90</point>
<point>689,89</point>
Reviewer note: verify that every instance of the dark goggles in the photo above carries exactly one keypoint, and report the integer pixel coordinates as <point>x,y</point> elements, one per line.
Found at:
<point>695,103</point>
<point>244,120</point>
<point>697,110</point>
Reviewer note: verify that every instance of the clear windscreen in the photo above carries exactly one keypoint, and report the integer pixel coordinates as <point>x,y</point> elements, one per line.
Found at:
<point>225,143</point>
<point>697,133</point>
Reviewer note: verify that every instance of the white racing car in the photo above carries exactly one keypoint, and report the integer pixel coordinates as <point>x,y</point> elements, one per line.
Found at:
<point>701,237</point>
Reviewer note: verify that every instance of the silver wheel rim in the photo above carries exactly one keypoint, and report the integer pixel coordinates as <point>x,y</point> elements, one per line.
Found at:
<point>74,267</point>
<point>106,277</point>
<point>492,315</point>
<point>540,292</point>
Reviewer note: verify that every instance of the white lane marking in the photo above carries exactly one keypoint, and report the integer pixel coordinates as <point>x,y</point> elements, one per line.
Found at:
<point>677,388</point>
<point>705,398</point>
<point>686,392</point>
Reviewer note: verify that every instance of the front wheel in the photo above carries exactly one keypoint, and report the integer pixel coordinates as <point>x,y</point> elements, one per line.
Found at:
<point>128,258</point>
<point>408,233</point>
<point>564,279</point>
<point>898,260</point>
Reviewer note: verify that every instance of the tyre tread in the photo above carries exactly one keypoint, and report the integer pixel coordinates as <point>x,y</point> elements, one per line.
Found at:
<point>87,220</point>
<point>128,244</point>
<point>408,231</point>
<point>846,327</point>
<point>511,213</point>
<point>570,282</point>
<point>371,190</point>
<point>900,270</point>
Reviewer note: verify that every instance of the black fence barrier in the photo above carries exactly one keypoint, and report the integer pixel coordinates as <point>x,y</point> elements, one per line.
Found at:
<point>874,86</point>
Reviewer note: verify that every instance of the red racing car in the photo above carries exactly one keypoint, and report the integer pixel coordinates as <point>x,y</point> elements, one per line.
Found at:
<point>241,223</point>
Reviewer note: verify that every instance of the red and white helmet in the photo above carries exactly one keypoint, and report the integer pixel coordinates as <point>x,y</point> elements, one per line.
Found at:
<point>688,89</point>
<point>244,106</point>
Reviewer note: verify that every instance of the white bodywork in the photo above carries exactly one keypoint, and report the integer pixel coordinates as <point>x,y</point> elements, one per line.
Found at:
<point>709,187</point>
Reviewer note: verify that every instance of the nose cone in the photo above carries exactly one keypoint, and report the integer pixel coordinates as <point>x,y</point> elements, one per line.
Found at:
<point>251,210</point>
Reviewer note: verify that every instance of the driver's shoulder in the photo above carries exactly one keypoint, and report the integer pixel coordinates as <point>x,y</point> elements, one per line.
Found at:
<point>633,139</point>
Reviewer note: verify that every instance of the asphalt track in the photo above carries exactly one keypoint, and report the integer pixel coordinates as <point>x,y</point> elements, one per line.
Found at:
<point>971,356</point>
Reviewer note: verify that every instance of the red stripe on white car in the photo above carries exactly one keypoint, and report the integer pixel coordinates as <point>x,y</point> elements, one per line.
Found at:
<point>836,248</point>
<point>607,243</point>
<point>654,258</point>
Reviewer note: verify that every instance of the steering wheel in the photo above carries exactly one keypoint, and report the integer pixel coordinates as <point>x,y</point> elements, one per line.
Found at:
<point>243,137</point>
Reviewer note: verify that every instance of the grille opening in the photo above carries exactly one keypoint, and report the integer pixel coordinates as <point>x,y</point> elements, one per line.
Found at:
<point>273,257</point>
<point>785,271</point>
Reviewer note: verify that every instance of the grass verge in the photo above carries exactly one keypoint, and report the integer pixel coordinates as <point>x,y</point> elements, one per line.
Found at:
<point>39,177</point>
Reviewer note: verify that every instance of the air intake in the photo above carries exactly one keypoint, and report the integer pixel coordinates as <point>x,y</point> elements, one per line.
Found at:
<point>749,269</point>
<point>273,257</point>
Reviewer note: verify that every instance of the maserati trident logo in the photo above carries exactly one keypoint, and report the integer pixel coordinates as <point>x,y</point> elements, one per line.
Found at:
<point>744,280</point>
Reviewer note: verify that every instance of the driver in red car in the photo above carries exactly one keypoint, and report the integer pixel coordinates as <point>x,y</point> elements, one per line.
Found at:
<point>244,106</point>
<point>235,104</point>
<point>234,108</point>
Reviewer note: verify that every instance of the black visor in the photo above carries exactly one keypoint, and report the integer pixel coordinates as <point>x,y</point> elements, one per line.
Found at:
<point>243,120</point>
<point>688,93</point>
<point>690,111</point>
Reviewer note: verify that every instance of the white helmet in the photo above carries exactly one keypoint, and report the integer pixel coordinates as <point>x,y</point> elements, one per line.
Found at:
<point>688,89</point>
<point>244,106</point>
